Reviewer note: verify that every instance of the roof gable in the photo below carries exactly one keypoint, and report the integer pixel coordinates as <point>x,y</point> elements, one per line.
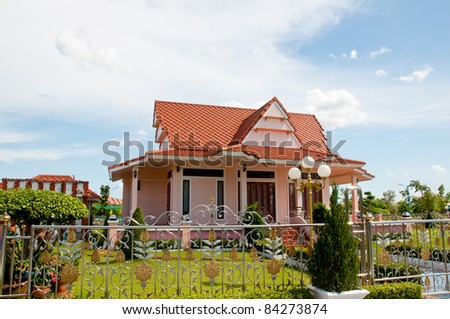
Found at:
<point>272,128</point>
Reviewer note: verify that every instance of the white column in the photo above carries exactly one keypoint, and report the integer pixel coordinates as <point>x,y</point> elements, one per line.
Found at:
<point>134,189</point>
<point>177,190</point>
<point>355,199</point>
<point>243,190</point>
<point>112,235</point>
<point>326,193</point>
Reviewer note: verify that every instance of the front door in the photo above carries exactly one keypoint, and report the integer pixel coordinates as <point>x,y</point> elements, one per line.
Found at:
<point>264,194</point>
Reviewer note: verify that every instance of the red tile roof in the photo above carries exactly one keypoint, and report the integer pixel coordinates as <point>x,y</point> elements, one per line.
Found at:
<point>114,201</point>
<point>93,195</point>
<point>202,131</point>
<point>53,178</point>
<point>210,126</point>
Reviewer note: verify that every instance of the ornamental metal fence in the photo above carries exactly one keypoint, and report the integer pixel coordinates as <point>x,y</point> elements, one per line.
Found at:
<point>208,253</point>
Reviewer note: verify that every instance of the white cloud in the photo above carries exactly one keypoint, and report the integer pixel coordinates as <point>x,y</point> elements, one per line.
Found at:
<point>418,75</point>
<point>198,51</point>
<point>39,154</point>
<point>17,137</point>
<point>335,108</point>
<point>438,168</point>
<point>380,51</point>
<point>142,132</point>
<point>353,55</point>
<point>332,56</point>
<point>381,73</point>
<point>78,46</point>
<point>235,103</point>
<point>12,155</point>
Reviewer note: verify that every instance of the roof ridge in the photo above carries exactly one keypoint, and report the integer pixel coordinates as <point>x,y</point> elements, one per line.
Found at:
<point>205,105</point>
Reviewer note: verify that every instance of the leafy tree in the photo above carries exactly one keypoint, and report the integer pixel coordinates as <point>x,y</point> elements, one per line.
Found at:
<point>29,207</point>
<point>374,205</point>
<point>334,263</point>
<point>104,194</point>
<point>388,200</point>
<point>402,206</point>
<point>441,200</point>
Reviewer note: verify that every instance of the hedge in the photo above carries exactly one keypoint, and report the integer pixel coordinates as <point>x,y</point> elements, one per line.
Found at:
<point>400,290</point>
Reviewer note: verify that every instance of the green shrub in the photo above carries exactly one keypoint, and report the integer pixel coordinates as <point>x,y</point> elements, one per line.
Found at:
<point>319,213</point>
<point>252,216</point>
<point>137,220</point>
<point>293,293</point>
<point>397,269</point>
<point>334,262</point>
<point>401,290</point>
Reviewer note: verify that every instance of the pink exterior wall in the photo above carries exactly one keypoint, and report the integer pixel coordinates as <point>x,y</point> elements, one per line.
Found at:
<point>152,198</point>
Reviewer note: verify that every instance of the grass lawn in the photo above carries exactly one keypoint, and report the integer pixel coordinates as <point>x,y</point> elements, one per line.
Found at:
<point>176,273</point>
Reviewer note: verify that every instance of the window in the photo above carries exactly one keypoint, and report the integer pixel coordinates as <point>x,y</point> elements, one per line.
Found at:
<point>264,194</point>
<point>168,196</point>
<point>186,196</point>
<point>260,174</point>
<point>202,172</point>
<point>220,200</point>
<point>292,199</point>
<point>239,196</point>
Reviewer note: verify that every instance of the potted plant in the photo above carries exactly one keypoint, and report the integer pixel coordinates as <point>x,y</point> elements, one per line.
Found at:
<point>334,263</point>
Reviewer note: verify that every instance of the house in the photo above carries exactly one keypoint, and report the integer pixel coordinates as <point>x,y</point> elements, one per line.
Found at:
<point>58,183</point>
<point>229,156</point>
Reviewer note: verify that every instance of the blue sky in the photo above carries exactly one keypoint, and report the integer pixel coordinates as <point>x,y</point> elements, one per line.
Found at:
<point>76,74</point>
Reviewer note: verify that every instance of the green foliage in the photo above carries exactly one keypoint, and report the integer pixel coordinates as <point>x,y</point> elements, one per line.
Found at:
<point>137,220</point>
<point>104,194</point>
<point>401,290</point>
<point>319,213</point>
<point>388,200</point>
<point>375,205</point>
<point>334,263</point>
<point>294,293</point>
<point>33,207</point>
<point>397,269</point>
<point>252,216</point>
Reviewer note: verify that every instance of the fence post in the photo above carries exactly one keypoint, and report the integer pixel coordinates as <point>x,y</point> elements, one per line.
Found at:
<point>369,249</point>
<point>4,223</point>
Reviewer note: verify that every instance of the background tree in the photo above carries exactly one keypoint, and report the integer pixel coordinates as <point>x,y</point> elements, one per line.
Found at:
<point>441,200</point>
<point>374,205</point>
<point>388,200</point>
<point>104,194</point>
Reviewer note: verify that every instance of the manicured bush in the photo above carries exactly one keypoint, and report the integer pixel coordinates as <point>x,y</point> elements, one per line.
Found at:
<point>293,293</point>
<point>334,262</point>
<point>41,207</point>
<point>401,290</point>
<point>397,269</point>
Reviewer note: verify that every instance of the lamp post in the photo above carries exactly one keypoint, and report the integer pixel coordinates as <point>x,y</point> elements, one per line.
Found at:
<point>295,174</point>
<point>408,194</point>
